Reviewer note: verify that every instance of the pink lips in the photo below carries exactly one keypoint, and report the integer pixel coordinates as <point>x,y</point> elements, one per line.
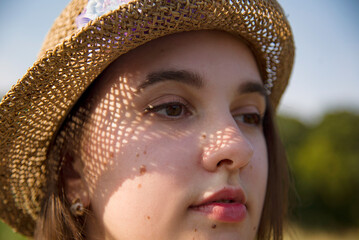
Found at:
<point>226,205</point>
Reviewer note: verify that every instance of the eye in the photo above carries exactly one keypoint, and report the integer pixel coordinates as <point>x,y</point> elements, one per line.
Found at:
<point>251,119</point>
<point>169,110</point>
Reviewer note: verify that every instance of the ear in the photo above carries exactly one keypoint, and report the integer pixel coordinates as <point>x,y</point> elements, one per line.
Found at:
<point>73,183</point>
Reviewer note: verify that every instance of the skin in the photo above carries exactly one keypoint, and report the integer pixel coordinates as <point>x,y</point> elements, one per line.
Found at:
<point>142,165</point>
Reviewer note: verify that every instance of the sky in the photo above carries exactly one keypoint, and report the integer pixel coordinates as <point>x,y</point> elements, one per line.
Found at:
<point>326,33</point>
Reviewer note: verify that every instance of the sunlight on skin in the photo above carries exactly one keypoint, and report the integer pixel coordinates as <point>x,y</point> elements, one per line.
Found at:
<point>141,171</point>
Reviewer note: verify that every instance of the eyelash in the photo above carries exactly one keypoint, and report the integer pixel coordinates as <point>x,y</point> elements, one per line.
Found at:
<point>183,107</point>
<point>250,119</point>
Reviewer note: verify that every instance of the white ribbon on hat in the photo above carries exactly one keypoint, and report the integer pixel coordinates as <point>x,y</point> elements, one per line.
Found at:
<point>97,8</point>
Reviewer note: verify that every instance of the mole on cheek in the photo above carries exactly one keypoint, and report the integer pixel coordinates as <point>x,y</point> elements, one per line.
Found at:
<point>143,169</point>
<point>145,152</point>
<point>195,230</point>
<point>137,154</point>
<point>204,136</point>
<point>148,217</point>
<point>214,226</point>
<point>139,186</point>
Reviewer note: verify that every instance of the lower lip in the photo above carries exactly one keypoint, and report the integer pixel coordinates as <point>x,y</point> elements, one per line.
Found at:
<point>223,212</point>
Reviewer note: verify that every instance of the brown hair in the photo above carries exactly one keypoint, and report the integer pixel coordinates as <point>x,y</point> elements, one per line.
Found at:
<point>56,221</point>
<point>276,201</point>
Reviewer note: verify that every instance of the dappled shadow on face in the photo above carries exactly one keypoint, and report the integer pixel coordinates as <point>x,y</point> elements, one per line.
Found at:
<point>108,133</point>
<point>119,148</point>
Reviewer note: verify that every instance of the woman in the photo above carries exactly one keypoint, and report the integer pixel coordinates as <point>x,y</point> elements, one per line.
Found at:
<point>174,137</point>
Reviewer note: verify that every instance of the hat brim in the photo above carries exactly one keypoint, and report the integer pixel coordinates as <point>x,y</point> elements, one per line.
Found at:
<point>34,109</point>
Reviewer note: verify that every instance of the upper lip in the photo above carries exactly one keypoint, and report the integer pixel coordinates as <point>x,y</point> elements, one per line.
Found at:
<point>234,194</point>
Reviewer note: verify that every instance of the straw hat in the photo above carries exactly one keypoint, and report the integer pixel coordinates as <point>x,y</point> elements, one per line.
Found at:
<point>73,56</point>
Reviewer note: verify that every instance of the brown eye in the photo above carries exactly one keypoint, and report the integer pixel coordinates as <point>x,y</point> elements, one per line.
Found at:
<point>174,110</point>
<point>253,119</point>
<point>171,110</point>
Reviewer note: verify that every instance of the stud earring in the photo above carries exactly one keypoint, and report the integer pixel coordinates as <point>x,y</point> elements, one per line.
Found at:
<point>77,208</point>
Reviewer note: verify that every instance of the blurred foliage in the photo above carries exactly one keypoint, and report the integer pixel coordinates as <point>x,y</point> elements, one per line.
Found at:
<point>324,159</point>
<point>6,233</point>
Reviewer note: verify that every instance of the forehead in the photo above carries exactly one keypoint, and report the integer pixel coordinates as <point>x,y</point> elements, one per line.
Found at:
<point>221,61</point>
<point>199,51</point>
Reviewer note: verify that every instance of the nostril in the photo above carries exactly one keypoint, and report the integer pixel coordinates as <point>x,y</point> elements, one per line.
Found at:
<point>224,161</point>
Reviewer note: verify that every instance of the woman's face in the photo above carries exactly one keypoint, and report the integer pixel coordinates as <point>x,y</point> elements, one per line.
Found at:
<point>173,147</point>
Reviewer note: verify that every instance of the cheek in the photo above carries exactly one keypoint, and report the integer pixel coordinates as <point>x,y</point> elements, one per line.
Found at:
<point>258,174</point>
<point>145,160</point>
<point>259,163</point>
<point>258,166</point>
<point>255,177</point>
<point>147,183</point>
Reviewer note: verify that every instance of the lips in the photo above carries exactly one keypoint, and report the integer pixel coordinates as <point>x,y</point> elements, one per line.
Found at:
<point>226,205</point>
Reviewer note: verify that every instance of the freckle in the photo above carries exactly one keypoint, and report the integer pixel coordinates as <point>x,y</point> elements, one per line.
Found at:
<point>111,154</point>
<point>214,226</point>
<point>145,152</point>
<point>143,169</point>
<point>204,136</point>
<point>195,230</point>
<point>137,154</point>
<point>139,186</point>
<point>254,228</point>
<point>148,217</point>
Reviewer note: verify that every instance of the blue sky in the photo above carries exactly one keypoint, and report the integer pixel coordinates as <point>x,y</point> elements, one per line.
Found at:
<point>326,71</point>
<point>326,32</point>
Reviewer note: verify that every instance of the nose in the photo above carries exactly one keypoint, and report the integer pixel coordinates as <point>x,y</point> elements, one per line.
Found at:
<point>227,148</point>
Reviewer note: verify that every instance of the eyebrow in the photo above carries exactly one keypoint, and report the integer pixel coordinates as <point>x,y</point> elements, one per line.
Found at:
<point>183,76</point>
<point>195,80</point>
<point>252,87</point>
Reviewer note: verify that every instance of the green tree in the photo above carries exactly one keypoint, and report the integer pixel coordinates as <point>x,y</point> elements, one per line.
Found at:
<point>7,233</point>
<point>325,164</point>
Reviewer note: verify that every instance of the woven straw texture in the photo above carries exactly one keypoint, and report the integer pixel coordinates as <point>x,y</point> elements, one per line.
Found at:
<point>33,110</point>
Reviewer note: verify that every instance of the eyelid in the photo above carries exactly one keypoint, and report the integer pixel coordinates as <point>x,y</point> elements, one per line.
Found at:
<point>166,99</point>
<point>241,113</point>
<point>155,108</point>
<point>247,110</point>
